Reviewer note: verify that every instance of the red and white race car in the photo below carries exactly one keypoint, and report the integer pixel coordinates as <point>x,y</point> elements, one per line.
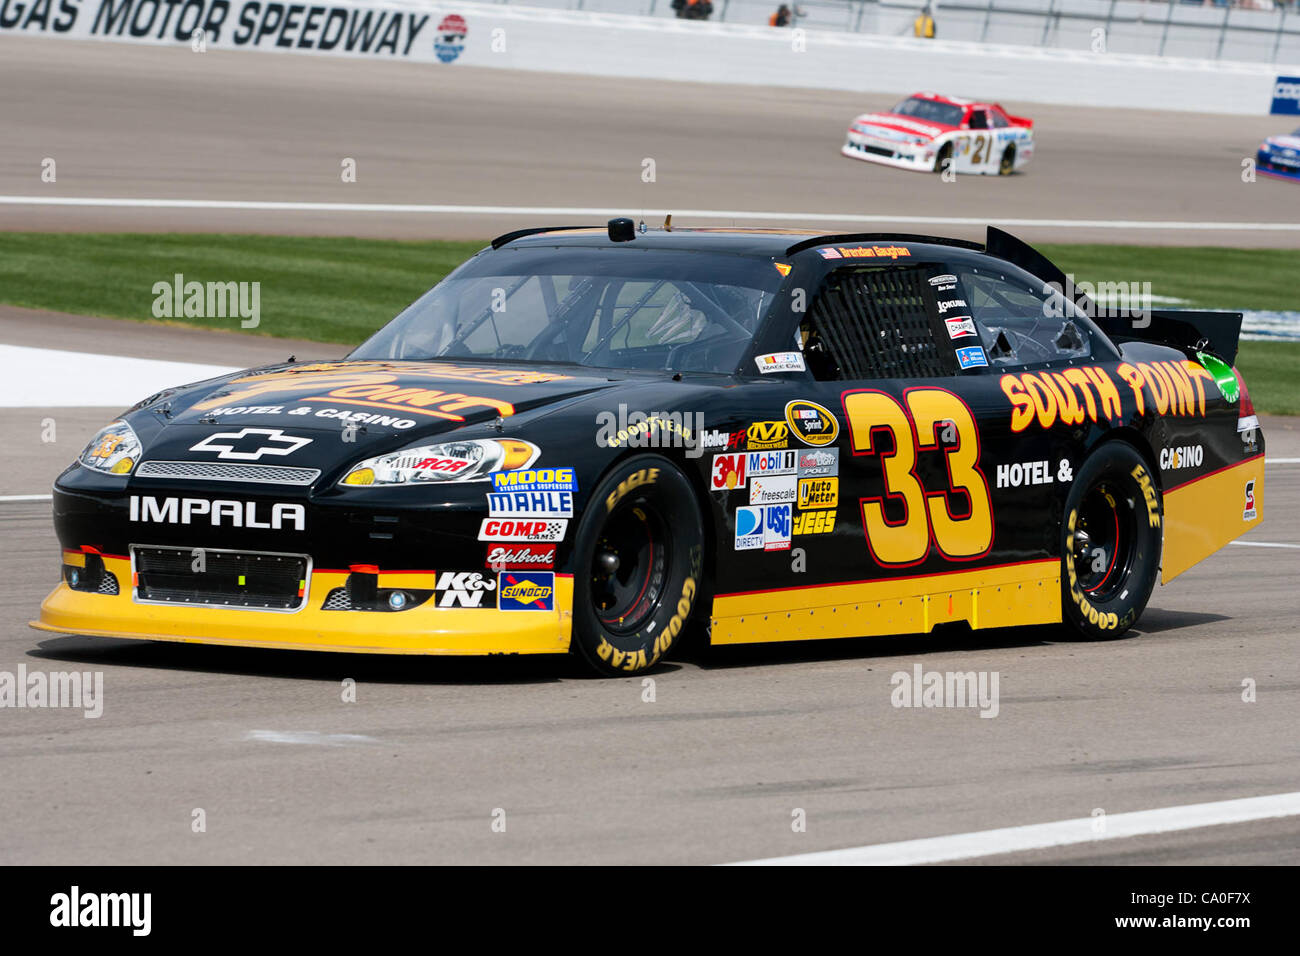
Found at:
<point>931,133</point>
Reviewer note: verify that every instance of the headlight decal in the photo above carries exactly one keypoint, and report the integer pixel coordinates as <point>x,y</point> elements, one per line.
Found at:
<point>454,461</point>
<point>115,450</point>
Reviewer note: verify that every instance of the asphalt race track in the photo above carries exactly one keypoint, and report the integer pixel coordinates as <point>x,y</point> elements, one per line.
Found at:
<point>133,122</point>
<point>584,769</point>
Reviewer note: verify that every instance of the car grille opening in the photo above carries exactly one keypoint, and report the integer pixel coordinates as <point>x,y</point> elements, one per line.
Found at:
<point>218,578</point>
<point>222,471</point>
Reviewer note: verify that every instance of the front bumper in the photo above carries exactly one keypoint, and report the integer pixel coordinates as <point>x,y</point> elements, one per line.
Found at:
<point>425,629</point>
<point>900,155</point>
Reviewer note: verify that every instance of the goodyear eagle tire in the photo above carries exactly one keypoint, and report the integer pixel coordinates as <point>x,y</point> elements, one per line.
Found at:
<point>945,154</point>
<point>1111,537</point>
<point>1007,164</point>
<point>638,557</point>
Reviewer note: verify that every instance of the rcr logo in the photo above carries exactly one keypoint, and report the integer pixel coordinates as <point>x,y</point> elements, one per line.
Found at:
<point>283,516</point>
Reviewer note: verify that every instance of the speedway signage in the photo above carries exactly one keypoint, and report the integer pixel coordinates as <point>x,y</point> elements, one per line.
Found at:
<point>355,29</point>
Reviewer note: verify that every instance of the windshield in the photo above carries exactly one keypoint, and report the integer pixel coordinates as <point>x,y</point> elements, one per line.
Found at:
<point>931,110</point>
<point>627,308</point>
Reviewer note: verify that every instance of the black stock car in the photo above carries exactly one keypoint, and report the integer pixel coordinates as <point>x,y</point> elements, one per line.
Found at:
<point>589,439</point>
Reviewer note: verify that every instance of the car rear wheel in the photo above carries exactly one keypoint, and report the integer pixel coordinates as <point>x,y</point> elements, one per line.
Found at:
<point>1008,163</point>
<point>638,558</point>
<point>1111,539</point>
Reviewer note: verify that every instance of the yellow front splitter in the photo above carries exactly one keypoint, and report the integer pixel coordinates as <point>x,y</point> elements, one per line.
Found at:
<point>421,630</point>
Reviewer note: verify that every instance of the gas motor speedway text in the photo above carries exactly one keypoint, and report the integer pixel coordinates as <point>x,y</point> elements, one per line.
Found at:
<point>247,23</point>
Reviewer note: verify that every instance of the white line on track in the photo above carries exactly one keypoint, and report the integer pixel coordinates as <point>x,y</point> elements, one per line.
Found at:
<point>1037,836</point>
<point>1263,544</point>
<point>621,209</point>
<point>1282,461</point>
<point>308,737</point>
<point>49,378</point>
<point>6,498</point>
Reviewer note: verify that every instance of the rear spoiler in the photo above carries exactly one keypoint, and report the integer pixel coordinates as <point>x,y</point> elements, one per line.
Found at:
<point>1217,332</point>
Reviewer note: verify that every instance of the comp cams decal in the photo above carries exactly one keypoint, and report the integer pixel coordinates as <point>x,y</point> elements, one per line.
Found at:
<point>523,529</point>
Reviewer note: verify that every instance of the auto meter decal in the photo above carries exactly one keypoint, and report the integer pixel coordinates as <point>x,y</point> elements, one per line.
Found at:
<point>811,423</point>
<point>450,40</point>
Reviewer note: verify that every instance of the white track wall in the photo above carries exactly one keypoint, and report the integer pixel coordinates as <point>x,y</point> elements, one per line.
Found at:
<point>597,44</point>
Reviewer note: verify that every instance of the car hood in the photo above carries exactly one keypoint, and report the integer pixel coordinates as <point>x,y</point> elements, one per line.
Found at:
<point>389,403</point>
<point>897,126</point>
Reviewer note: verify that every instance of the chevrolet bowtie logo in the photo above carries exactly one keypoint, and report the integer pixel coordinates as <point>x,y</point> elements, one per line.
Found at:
<point>250,444</point>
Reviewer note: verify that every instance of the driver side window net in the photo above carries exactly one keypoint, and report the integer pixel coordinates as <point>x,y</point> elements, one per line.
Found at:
<point>873,323</point>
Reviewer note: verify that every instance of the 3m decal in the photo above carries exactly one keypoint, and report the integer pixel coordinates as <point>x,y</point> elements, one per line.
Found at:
<point>764,435</point>
<point>819,492</point>
<point>811,423</point>
<point>728,472</point>
<point>526,591</point>
<point>959,519</point>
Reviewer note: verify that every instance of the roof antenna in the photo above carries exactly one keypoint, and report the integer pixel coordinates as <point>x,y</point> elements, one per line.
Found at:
<point>668,223</point>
